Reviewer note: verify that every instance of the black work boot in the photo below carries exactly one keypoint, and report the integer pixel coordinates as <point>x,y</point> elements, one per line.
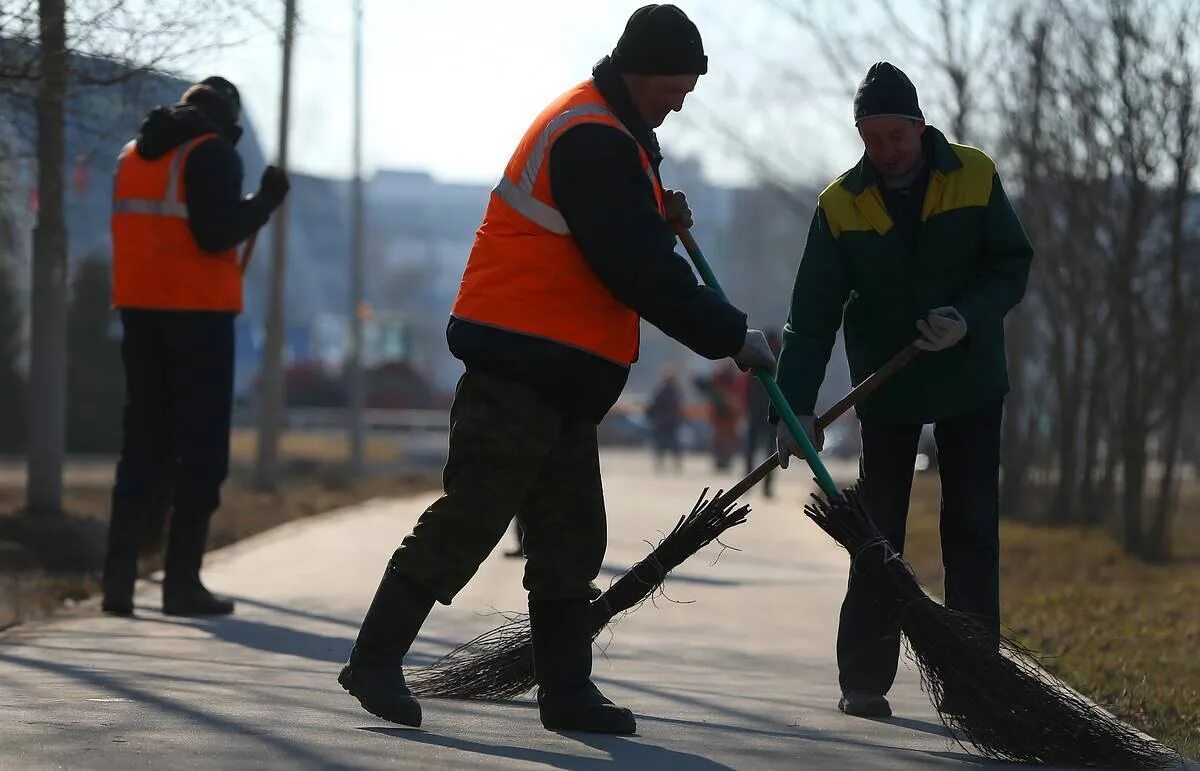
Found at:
<point>374,674</point>
<point>121,559</point>
<point>863,704</point>
<point>182,592</point>
<point>568,700</point>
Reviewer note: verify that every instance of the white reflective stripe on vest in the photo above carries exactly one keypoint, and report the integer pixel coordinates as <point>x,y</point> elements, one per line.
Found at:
<point>150,207</point>
<point>537,155</point>
<point>169,205</point>
<point>519,194</point>
<point>531,208</point>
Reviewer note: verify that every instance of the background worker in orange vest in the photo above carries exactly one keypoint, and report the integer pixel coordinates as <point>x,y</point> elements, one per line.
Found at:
<point>178,217</point>
<point>576,247</point>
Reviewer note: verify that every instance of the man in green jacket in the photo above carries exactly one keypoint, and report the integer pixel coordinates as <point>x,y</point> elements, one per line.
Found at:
<point>917,241</point>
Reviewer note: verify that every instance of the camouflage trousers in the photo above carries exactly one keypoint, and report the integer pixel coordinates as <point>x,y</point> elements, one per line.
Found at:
<point>512,453</point>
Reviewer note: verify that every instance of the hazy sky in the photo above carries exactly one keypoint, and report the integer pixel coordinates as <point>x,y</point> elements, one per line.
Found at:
<point>449,87</point>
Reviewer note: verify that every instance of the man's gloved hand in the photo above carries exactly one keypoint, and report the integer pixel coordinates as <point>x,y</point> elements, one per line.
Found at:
<point>679,214</point>
<point>944,328</point>
<point>756,353</point>
<point>274,186</point>
<point>787,445</point>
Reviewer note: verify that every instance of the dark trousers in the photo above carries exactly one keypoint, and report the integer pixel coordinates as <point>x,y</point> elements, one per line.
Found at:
<point>512,453</point>
<point>666,442</point>
<point>178,407</point>
<point>968,448</point>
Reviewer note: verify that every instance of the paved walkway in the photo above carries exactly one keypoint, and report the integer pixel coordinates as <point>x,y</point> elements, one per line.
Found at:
<point>740,677</point>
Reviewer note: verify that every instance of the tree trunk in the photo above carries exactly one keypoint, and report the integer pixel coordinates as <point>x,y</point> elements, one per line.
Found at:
<point>48,358</point>
<point>1133,435</point>
<point>1092,506</point>
<point>1014,437</point>
<point>272,400</point>
<point>1069,403</point>
<point>1181,367</point>
<point>1157,546</point>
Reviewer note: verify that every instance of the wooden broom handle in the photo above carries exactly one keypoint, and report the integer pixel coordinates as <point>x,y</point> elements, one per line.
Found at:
<point>248,251</point>
<point>860,392</point>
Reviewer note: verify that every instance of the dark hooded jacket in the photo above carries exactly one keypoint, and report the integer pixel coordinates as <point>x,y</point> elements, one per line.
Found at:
<point>219,216</point>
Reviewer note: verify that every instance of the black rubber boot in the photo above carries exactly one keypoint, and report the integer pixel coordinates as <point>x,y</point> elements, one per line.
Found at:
<point>568,700</point>
<point>863,704</point>
<point>374,674</point>
<point>183,594</point>
<point>121,559</point>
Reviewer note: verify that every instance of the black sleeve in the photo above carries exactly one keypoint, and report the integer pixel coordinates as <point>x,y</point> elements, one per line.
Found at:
<point>218,216</point>
<point>599,186</point>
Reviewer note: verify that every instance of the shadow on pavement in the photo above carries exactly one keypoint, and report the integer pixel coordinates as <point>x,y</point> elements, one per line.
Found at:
<point>288,641</point>
<point>198,717</point>
<point>796,732</point>
<point>271,638</point>
<point>622,752</point>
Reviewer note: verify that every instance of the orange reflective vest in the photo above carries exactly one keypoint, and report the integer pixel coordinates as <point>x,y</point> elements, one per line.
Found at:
<point>157,264</point>
<point>525,273</point>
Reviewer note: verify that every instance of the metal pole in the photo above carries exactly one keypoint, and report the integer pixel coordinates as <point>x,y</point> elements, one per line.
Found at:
<point>272,397</point>
<point>358,395</point>
<point>48,331</point>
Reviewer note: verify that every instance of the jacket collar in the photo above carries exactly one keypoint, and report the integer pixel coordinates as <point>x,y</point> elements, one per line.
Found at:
<point>614,91</point>
<point>941,155</point>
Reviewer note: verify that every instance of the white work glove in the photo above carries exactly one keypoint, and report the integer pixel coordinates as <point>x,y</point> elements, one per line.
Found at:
<point>756,353</point>
<point>787,445</point>
<point>678,212</point>
<point>944,328</point>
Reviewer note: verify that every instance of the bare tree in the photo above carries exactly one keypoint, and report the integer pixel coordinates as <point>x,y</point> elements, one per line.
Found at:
<point>1182,348</point>
<point>1109,208</point>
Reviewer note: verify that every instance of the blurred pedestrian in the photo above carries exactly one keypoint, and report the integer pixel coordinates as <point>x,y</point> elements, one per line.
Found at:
<point>178,218</point>
<point>665,415</point>
<point>760,434</point>
<point>724,389</point>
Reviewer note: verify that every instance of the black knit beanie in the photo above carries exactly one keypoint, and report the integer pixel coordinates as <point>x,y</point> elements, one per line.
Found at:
<point>660,40</point>
<point>886,91</point>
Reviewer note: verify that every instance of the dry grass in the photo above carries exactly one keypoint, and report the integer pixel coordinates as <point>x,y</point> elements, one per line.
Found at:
<point>1122,632</point>
<point>27,592</point>
<point>314,446</point>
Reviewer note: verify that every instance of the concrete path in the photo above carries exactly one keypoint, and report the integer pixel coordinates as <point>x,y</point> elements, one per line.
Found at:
<point>742,676</point>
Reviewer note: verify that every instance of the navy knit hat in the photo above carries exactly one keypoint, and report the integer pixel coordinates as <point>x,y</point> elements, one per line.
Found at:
<point>886,92</point>
<point>660,40</point>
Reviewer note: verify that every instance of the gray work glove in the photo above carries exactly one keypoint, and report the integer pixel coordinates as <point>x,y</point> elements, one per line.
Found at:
<point>944,328</point>
<point>787,444</point>
<point>756,353</point>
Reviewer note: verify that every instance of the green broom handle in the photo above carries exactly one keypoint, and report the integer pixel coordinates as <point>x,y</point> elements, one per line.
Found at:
<point>767,379</point>
<point>852,399</point>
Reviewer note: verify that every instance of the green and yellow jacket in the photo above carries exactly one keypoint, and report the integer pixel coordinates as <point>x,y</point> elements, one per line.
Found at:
<point>970,253</point>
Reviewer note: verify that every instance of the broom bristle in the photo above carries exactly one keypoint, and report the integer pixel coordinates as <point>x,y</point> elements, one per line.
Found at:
<point>989,688</point>
<point>498,664</point>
